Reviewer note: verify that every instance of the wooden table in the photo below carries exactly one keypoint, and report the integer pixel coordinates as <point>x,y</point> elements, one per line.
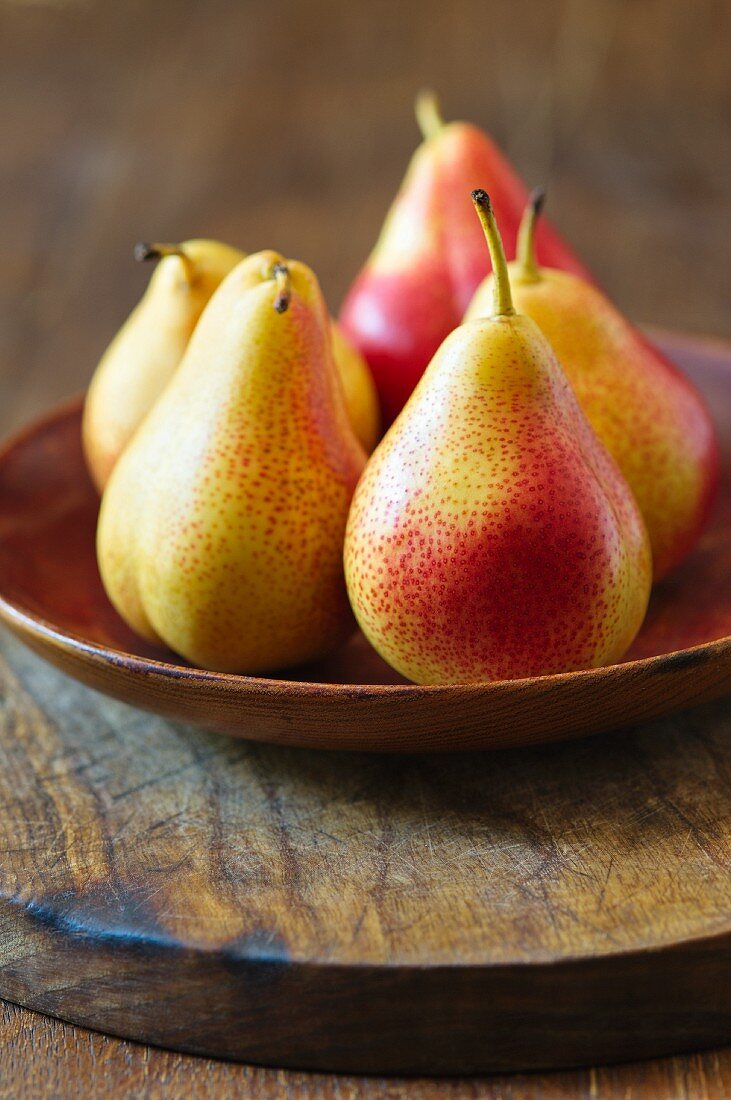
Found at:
<point>289,125</point>
<point>43,1057</point>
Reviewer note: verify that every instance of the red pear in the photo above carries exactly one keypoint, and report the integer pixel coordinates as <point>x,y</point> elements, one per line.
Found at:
<point>431,254</point>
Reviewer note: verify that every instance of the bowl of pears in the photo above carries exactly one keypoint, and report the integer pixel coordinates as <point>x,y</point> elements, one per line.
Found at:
<point>480,509</point>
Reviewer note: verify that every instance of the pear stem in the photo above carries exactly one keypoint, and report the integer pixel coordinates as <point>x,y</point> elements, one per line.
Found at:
<point>429,114</point>
<point>280,273</point>
<point>502,297</point>
<point>525,252</point>
<point>144,251</point>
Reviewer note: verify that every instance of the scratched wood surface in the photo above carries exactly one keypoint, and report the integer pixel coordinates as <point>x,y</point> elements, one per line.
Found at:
<point>115,127</point>
<point>308,909</point>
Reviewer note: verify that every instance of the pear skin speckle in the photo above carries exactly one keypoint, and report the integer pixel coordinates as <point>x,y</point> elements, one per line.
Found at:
<point>646,413</point>
<point>221,529</point>
<point>491,535</point>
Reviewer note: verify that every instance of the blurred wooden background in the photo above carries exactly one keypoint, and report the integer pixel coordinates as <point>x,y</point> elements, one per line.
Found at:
<point>289,125</point>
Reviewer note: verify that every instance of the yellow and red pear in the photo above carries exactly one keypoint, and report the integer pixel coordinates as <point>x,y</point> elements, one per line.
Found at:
<point>492,536</point>
<point>430,255</point>
<point>221,528</point>
<point>146,351</point>
<point>644,410</point>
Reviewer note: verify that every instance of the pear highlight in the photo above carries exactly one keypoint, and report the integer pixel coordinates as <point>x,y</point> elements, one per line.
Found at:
<point>492,536</point>
<point>646,413</point>
<point>221,528</point>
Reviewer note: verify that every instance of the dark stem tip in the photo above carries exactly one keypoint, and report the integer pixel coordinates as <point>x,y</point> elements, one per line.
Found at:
<point>481,198</point>
<point>144,251</point>
<point>280,272</point>
<point>537,199</point>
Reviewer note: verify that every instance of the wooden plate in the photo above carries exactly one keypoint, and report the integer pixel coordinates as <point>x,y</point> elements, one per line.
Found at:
<point>51,597</point>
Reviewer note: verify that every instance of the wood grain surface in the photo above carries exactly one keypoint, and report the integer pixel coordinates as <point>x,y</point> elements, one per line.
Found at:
<point>46,1058</point>
<point>290,125</point>
<point>531,908</point>
<point>270,125</point>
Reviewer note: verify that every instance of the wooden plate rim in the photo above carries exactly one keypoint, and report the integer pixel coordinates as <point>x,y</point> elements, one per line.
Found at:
<point>708,939</point>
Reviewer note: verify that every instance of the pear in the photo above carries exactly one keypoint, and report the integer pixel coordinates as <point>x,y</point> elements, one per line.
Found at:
<point>430,255</point>
<point>361,398</point>
<point>221,528</point>
<point>491,535</point>
<point>646,413</point>
<point>144,354</point>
